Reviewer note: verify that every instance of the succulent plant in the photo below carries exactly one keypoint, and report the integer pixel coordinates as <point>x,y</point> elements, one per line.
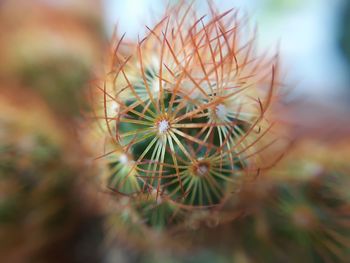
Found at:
<point>185,109</point>
<point>183,140</point>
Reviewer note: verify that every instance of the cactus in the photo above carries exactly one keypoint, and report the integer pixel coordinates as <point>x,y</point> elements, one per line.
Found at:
<point>182,136</point>
<point>185,109</point>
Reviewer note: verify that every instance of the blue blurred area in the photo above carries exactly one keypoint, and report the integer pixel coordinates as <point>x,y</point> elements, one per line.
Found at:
<point>308,33</point>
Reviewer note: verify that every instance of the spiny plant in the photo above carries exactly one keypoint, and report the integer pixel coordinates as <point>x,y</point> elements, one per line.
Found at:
<point>185,109</point>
